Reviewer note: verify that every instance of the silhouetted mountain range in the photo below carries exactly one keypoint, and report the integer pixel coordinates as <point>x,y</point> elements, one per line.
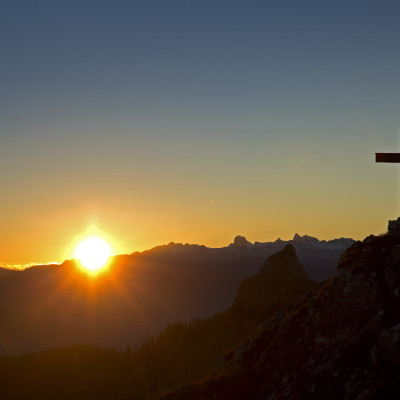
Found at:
<point>182,352</point>
<point>341,341</point>
<point>58,305</point>
<point>284,337</point>
<point>319,257</point>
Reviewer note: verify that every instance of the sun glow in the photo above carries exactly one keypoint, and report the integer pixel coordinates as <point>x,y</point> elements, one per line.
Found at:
<point>93,254</point>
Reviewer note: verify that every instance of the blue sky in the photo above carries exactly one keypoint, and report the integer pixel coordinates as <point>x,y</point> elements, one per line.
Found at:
<point>195,121</point>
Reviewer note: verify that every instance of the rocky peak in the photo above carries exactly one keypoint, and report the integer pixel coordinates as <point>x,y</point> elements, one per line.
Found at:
<point>284,262</point>
<point>240,241</point>
<point>369,273</point>
<point>394,227</point>
<point>297,239</point>
<point>341,341</point>
<point>281,275</point>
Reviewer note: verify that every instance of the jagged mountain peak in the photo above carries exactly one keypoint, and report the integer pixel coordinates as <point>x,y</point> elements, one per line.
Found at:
<point>284,262</point>
<point>305,239</point>
<point>282,273</point>
<point>369,273</point>
<point>241,241</point>
<point>341,341</point>
<point>296,236</point>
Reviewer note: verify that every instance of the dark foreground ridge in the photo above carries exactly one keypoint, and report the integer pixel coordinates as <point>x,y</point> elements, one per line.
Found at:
<point>49,306</point>
<point>342,341</point>
<point>183,352</point>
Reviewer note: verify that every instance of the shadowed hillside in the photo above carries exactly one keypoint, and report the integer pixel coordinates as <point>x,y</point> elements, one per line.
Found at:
<point>59,305</point>
<point>76,372</point>
<point>182,352</point>
<point>284,337</point>
<point>187,351</point>
<point>339,342</point>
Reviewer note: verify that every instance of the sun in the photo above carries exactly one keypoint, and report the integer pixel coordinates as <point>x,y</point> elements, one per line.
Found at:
<point>93,254</point>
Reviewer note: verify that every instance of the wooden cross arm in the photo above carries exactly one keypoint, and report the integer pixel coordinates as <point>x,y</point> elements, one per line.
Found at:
<point>387,157</point>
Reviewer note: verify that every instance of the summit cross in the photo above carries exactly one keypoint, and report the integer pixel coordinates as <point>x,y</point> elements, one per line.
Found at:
<point>387,157</point>
<point>394,226</point>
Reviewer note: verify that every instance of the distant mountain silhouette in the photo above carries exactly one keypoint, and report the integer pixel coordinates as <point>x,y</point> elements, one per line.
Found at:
<point>283,337</point>
<point>341,341</point>
<point>319,257</point>
<point>58,305</point>
<point>280,280</point>
<point>203,343</point>
<point>180,353</point>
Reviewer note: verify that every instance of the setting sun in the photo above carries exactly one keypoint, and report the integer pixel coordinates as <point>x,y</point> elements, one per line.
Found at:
<point>93,254</point>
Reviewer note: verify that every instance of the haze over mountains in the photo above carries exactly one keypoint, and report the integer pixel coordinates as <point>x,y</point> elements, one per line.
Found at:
<point>340,341</point>
<point>319,257</point>
<point>182,352</point>
<point>284,336</point>
<point>58,305</point>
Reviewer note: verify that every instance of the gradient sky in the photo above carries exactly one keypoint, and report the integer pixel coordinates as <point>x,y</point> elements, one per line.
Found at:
<point>195,121</point>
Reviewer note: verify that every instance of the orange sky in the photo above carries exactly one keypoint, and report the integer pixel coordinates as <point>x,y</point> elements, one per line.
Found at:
<point>48,232</point>
<point>195,123</point>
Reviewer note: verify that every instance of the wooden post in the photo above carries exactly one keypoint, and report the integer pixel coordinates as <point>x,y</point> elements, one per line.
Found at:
<point>387,157</point>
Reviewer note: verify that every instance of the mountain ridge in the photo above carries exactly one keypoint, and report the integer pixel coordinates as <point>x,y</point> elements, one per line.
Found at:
<point>181,352</point>
<point>320,257</point>
<point>239,242</point>
<point>342,340</point>
<point>336,339</point>
<point>140,293</point>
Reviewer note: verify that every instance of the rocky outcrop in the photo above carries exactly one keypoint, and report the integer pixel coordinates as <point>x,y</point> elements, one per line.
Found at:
<point>394,227</point>
<point>304,239</point>
<point>280,280</point>
<point>342,341</point>
<point>241,241</point>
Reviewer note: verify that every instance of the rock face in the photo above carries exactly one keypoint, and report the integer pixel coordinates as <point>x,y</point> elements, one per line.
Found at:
<point>394,227</point>
<point>281,279</point>
<point>285,263</point>
<point>342,341</point>
<point>304,239</point>
<point>182,281</point>
<point>241,241</point>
